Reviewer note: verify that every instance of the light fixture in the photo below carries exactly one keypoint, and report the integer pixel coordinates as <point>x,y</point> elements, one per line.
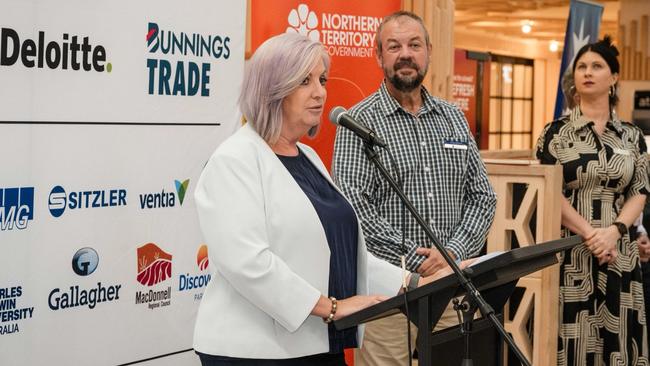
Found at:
<point>554,46</point>
<point>526,27</point>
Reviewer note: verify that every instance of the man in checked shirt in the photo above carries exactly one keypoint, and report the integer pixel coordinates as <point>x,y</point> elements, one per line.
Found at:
<point>439,164</point>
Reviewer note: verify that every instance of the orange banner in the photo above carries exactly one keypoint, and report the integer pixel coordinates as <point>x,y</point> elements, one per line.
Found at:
<point>347,30</point>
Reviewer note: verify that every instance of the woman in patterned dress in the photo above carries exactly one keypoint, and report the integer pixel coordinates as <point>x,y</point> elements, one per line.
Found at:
<point>602,317</point>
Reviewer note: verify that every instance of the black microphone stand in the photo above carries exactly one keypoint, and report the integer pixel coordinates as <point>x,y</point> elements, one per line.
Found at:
<point>473,297</point>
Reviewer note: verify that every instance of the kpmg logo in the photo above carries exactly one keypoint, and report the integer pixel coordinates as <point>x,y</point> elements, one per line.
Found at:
<point>16,207</point>
<point>183,76</point>
<point>58,200</point>
<point>164,198</point>
<point>69,52</point>
<point>85,261</point>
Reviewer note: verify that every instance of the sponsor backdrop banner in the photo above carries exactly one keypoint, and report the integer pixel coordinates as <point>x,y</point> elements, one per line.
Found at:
<point>347,29</point>
<point>109,116</point>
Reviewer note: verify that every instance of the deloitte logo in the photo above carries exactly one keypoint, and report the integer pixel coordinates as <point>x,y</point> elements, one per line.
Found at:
<point>58,200</point>
<point>75,53</point>
<point>85,261</point>
<point>164,199</point>
<point>303,21</point>
<point>16,207</point>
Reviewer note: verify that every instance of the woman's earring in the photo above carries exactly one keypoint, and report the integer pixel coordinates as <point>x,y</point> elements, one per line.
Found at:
<point>612,90</point>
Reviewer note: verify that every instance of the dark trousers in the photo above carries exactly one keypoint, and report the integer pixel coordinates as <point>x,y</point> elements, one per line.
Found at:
<point>323,359</point>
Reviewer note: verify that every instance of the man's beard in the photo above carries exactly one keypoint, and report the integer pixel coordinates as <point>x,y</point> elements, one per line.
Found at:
<point>406,83</point>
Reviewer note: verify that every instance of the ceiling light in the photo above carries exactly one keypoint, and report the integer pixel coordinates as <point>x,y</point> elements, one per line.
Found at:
<point>554,46</point>
<point>526,27</point>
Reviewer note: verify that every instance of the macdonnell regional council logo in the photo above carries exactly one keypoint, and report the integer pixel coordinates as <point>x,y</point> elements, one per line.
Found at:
<point>154,266</point>
<point>341,34</point>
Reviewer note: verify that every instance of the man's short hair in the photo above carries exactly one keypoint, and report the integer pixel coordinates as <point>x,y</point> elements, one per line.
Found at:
<point>395,16</point>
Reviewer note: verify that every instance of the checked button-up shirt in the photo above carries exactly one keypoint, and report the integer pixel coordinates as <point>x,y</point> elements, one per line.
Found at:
<point>441,171</point>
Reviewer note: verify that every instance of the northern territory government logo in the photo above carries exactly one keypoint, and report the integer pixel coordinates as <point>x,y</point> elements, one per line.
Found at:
<point>16,207</point>
<point>84,263</point>
<point>342,34</point>
<point>172,63</point>
<point>196,281</point>
<point>154,267</point>
<point>163,199</point>
<point>12,313</point>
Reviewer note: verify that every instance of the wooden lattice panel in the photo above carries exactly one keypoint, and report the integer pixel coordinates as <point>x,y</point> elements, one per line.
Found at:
<point>543,188</point>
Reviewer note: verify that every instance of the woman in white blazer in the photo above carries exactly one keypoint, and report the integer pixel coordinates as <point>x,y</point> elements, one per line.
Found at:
<point>283,241</point>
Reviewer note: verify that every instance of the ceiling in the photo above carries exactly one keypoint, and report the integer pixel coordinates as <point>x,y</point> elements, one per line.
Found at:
<point>505,17</point>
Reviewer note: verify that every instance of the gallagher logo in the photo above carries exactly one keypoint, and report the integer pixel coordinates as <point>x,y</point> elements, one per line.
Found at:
<point>69,52</point>
<point>194,281</point>
<point>11,313</point>
<point>16,207</point>
<point>84,263</point>
<point>165,199</point>
<point>154,266</point>
<point>182,77</point>
<point>341,34</point>
<point>58,200</point>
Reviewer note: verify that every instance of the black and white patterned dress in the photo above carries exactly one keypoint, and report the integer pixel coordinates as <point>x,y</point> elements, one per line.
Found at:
<point>602,316</point>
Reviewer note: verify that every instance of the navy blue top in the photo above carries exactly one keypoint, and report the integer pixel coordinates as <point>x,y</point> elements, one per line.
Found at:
<point>340,225</point>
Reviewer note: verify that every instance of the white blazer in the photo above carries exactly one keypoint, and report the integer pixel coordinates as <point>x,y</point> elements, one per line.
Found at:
<point>269,256</point>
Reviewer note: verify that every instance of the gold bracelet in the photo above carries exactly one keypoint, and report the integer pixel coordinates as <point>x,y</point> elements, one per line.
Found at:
<point>330,317</point>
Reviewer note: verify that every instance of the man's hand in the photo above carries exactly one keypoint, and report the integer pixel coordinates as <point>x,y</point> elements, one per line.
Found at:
<point>444,272</point>
<point>643,242</point>
<point>433,263</point>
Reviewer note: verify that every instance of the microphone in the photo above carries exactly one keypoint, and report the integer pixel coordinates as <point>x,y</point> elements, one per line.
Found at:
<point>340,117</point>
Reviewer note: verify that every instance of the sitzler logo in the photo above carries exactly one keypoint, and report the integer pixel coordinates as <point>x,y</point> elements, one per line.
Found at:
<point>58,200</point>
<point>72,52</point>
<point>16,207</point>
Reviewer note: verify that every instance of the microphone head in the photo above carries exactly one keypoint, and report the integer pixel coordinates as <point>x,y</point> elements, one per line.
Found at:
<point>335,114</point>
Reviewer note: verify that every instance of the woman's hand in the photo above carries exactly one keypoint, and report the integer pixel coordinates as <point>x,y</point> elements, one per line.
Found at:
<point>353,304</point>
<point>345,307</point>
<point>644,247</point>
<point>602,243</point>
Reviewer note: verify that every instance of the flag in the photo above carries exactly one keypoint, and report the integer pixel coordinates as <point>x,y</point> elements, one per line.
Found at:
<point>582,28</point>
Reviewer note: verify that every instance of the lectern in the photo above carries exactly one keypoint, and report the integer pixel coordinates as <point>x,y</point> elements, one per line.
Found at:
<point>494,277</point>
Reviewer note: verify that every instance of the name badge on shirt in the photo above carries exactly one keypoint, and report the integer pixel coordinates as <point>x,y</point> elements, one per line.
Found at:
<point>621,152</point>
<point>457,145</point>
